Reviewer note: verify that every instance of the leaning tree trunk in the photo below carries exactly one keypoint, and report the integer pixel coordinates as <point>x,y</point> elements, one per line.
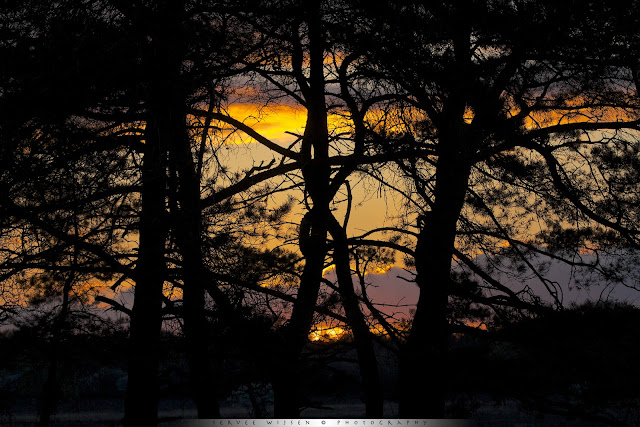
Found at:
<point>374,402</point>
<point>286,386</point>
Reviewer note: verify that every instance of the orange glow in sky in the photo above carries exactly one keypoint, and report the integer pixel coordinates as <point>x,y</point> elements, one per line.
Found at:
<point>271,122</point>
<point>327,333</point>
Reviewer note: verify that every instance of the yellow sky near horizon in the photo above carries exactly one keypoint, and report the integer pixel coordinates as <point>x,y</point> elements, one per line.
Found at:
<point>272,122</point>
<point>279,123</point>
<point>371,209</point>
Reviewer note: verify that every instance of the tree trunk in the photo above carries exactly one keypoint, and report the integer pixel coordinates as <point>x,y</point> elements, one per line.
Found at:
<point>189,236</point>
<point>313,227</point>
<point>49,396</point>
<point>374,402</point>
<point>141,402</point>
<point>286,386</point>
<point>161,63</point>
<point>423,358</point>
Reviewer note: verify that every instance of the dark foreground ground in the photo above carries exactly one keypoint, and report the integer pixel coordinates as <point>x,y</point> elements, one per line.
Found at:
<point>108,412</point>
<point>578,367</point>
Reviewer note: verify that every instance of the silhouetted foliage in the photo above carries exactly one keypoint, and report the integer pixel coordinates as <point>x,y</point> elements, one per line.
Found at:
<point>505,131</point>
<point>578,362</point>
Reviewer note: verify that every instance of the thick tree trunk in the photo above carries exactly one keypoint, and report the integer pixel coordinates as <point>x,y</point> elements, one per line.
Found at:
<point>161,62</point>
<point>170,51</point>
<point>423,359</point>
<point>374,402</point>
<point>141,402</point>
<point>423,368</point>
<point>286,397</point>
